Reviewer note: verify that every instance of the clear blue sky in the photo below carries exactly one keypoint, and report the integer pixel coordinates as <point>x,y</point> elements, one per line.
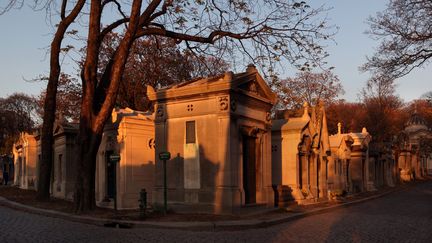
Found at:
<point>25,35</point>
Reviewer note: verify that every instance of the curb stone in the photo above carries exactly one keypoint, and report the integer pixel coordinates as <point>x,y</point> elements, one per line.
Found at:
<point>228,225</point>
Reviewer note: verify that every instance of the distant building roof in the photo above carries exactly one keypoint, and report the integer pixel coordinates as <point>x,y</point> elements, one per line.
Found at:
<point>415,122</point>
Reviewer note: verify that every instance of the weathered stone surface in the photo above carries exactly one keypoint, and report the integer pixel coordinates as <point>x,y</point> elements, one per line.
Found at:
<point>129,134</point>
<point>63,180</point>
<point>413,158</point>
<point>24,151</point>
<point>218,133</point>
<point>339,177</point>
<point>300,150</point>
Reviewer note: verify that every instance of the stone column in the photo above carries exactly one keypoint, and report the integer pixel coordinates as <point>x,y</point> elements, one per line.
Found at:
<point>370,172</point>
<point>404,166</point>
<point>356,172</point>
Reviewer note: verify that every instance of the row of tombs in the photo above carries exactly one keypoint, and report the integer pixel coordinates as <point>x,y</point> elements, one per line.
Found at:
<point>226,152</point>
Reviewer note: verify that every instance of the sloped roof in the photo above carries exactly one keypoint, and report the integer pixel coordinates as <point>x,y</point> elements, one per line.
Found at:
<point>361,138</point>
<point>337,139</point>
<point>118,114</point>
<point>416,123</point>
<point>297,123</point>
<point>227,81</point>
<point>415,119</point>
<point>65,127</point>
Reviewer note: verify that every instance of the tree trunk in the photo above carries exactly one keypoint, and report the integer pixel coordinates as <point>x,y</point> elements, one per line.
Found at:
<point>99,99</point>
<point>47,139</point>
<point>85,170</point>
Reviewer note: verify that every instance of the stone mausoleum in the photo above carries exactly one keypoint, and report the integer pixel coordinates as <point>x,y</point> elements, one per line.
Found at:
<point>218,131</point>
<point>130,135</point>
<point>413,151</point>
<point>24,152</point>
<point>63,170</point>
<point>339,179</point>
<point>300,153</point>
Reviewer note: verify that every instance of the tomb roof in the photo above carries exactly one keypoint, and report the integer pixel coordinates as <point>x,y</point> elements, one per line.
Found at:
<point>415,123</point>
<point>119,113</point>
<point>297,123</point>
<point>250,83</point>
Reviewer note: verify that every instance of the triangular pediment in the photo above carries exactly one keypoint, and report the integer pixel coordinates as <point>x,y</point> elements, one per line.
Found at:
<point>253,87</point>
<point>250,83</point>
<point>253,84</point>
<point>58,128</point>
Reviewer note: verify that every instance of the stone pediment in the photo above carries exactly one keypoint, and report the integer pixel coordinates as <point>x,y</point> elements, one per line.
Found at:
<point>361,140</point>
<point>58,128</point>
<point>253,84</point>
<point>340,140</point>
<point>250,83</point>
<point>290,125</point>
<point>64,127</point>
<point>119,115</point>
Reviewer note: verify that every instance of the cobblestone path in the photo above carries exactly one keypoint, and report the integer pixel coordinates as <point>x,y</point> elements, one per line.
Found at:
<point>404,216</point>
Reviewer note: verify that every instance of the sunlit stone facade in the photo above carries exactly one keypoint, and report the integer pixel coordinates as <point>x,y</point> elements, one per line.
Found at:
<point>359,163</point>
<point>218,131</point>
<point>24,151</point>
<point>339,177</point>
<point>63,170</point>
<point>413,151</point>
<point>300,151</point>
<point>129,134</point>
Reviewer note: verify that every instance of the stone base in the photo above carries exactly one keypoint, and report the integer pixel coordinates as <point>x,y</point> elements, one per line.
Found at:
<point>106,203</point>
<point>288,195</point>
<point>221,200</point>
<point>405,175</point>
<point>371,186</point>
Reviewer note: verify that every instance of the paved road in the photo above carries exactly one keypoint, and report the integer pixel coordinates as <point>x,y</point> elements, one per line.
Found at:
<point>404,216</point>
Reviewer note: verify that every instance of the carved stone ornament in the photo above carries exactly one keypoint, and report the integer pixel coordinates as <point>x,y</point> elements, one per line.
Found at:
<point>268,116</point>
<point>223,103</point>
<point>151,143</point>
<point>252,87</point>
<point>250,131</point>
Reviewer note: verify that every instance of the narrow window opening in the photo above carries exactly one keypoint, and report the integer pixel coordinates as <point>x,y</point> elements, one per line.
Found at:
<point>190,132</point>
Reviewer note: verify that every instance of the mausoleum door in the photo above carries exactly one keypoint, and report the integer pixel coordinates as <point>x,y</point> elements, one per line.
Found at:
<point>20,170</point>
<point>249,169</point>
<point>110,175</point>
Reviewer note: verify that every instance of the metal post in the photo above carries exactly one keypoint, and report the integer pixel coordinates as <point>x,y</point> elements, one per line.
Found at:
<point>115,160</point>
<point>164,156</point>
<point>115,186</point>
<point>143,203</point>
<point>165,187</point>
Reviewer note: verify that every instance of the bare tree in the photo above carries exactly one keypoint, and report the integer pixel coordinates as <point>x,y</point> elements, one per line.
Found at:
<point>352,116</point>
<point>384,116</point>
<point>68,13</point>
<point>68,98</point>
<point>261,31</point>
<point>308,87</point>
<point>378,87</point>
<point>158,62</point>
<point>406,37</point>
<point>18,113</point>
